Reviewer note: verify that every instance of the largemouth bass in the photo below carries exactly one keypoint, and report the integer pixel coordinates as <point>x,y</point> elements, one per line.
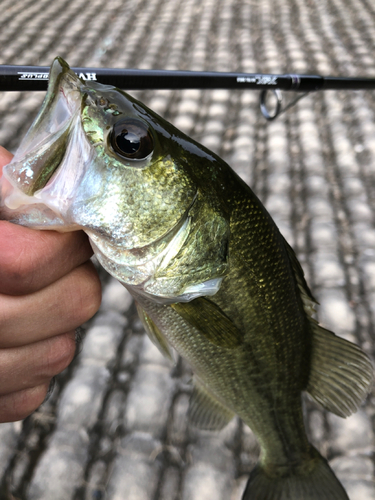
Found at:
<point>211,274</point>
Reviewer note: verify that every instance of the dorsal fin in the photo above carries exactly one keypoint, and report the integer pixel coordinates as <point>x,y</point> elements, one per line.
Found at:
<point>340,372</point>
<point>299,274</point>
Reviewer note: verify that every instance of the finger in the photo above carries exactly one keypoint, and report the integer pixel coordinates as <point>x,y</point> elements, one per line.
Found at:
<point>60,307</point>
<point>31,260</point>
<point>19,405</point>
<point>35,364</point>
<point>5,158</point>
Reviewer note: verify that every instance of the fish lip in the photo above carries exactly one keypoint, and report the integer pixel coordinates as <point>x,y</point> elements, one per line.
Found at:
<point>48,133</point>
<point>62,81</point>
<point>64,89</point>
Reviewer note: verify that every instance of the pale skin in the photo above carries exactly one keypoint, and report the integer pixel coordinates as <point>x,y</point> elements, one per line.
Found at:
<point>48,288</point>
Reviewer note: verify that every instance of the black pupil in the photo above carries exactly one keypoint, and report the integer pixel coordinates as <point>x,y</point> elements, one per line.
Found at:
<point>131,139</point>
<point>128,142</point>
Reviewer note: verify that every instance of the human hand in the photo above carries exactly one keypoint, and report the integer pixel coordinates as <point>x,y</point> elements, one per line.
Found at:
<point>48,287</point>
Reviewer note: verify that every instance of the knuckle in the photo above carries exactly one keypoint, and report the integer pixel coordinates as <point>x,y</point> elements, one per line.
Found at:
<point>6,313</point>
<point>92,304</point>
<point>19,267</point>
<point>30,399</point>
<point>61,353</point>
<point>88,294</point>
<point>19,405</point>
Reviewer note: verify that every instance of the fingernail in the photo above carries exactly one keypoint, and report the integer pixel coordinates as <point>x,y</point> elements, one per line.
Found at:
<point>50,389</point>
<point>79,336</point>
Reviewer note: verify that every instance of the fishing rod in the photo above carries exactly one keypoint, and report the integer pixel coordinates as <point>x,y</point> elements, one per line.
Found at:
<point>30,78</point>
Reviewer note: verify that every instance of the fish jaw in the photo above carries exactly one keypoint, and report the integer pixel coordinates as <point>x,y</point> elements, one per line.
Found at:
<point>44,155</point>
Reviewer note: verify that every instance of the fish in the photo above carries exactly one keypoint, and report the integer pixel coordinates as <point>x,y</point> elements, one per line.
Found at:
<point>212,277</point>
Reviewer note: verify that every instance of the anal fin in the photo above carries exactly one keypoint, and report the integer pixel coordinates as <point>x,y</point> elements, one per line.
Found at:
<point>205,411</point>
<point>341,373</point>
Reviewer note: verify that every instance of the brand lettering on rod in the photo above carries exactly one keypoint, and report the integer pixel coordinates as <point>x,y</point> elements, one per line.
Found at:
<point>258,79</point>
<point>30,75</point>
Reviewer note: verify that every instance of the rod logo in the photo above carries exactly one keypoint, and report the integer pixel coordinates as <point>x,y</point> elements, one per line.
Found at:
<point>32,75</point>
<point>258,79</point>
<point>87,76</point>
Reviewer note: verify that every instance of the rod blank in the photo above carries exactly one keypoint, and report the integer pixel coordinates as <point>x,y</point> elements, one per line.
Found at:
<point>14,78</point>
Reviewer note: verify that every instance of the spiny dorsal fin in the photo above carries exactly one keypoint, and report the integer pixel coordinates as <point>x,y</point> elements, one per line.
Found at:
<point>340,374</point>
<point>211,321</point>
<point>205,411</point>
<point>155,335</point>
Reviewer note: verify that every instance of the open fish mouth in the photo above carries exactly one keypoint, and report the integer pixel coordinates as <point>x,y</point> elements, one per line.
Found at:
<point>44,146</point>
<point>27,180</point>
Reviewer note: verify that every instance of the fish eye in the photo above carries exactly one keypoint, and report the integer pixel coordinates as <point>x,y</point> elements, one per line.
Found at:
<point>131,139</point>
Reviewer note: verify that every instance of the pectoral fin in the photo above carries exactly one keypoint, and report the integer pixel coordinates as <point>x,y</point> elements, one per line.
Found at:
<point>211,321</point>
<point>155,335</point>
<point>205,411</point>
<point>340,373</point>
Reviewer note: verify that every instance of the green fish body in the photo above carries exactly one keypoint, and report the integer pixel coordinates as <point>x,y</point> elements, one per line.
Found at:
<point>211,274</point>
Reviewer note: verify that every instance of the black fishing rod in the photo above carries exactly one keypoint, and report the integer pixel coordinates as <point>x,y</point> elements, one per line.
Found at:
<point>13,78</point>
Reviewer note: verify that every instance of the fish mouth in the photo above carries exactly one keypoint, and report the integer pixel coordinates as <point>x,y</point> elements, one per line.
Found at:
<point>43,148</point>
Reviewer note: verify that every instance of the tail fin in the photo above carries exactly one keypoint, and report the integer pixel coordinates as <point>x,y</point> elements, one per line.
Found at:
<point>315,482</point>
